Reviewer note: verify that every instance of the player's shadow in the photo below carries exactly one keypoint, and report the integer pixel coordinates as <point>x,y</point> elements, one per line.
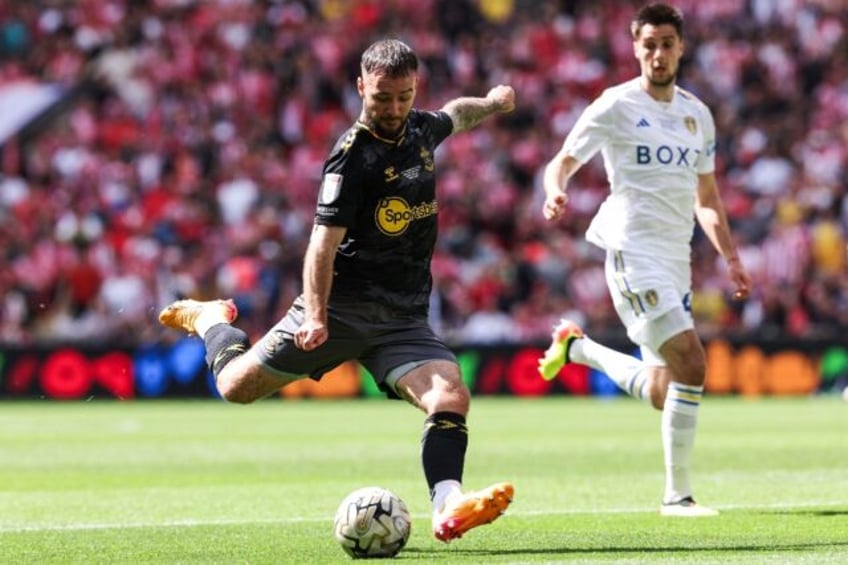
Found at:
<point>427,553</point>
<point>422,553</point>
<point>819,513</point>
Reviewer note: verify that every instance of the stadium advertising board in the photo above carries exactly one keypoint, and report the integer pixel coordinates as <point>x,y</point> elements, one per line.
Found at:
<point>179,370</point>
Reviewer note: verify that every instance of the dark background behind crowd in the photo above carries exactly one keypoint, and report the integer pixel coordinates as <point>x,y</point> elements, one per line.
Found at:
<point>185,156</point>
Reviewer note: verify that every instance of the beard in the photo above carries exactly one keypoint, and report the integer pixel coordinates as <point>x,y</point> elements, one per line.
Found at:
<point>668,81</point>
<point>386,132</point>
<point>389,128</point>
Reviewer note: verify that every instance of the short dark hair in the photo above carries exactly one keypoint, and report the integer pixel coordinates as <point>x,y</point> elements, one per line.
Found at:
<point>391,56</point>
<point>657,15</point>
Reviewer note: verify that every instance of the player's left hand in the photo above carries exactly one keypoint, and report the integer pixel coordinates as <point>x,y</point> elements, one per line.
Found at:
<point>741,279</point>
<point>504,98</point>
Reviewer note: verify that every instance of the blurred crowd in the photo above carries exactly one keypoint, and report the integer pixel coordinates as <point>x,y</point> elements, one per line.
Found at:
<point>187,164</point>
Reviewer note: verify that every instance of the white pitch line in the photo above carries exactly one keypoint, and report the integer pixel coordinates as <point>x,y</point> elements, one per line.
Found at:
<point>188,523</point>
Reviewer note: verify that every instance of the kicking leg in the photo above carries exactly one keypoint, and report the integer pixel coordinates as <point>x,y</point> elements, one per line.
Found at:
<point>436,388</point>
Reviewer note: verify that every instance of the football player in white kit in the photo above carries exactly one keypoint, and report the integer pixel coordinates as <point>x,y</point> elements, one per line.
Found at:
<point>658,145</point>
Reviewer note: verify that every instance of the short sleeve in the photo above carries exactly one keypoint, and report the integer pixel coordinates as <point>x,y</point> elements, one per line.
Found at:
<point>340,193</point>
<point>592,130</point>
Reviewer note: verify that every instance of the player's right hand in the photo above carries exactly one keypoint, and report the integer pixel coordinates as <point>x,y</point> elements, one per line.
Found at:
<point>554,206</point>
<point>310,335</point>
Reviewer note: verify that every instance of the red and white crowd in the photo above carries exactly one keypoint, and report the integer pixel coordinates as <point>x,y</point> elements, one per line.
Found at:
<point>186,156</point>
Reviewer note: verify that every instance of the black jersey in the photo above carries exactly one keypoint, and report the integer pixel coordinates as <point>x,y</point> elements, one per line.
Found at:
<point>384,192</point>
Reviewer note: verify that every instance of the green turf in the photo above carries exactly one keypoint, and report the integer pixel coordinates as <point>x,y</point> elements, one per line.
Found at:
<point>206,482</point>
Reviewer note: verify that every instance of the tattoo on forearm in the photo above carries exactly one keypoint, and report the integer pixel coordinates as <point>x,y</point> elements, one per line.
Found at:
<point>468,112</point>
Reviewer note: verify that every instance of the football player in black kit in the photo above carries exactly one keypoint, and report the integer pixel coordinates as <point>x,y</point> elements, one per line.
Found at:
<point>366,282</point>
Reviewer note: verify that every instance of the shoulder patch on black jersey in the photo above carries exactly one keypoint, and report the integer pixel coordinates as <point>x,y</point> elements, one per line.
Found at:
<point>331,186</point>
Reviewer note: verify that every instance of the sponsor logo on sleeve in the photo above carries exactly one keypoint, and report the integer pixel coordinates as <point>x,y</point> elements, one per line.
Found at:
<point>331,187</point>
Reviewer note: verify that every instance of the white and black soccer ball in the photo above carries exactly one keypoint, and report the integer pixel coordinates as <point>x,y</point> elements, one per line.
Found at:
<point>372,522</point>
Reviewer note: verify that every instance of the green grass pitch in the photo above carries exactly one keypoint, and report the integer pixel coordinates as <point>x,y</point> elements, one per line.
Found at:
<point>205,482</point>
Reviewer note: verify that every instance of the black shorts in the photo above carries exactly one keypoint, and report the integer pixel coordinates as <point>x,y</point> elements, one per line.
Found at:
<point>367,333</point>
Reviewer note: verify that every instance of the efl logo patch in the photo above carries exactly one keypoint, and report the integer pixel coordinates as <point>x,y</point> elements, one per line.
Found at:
<point>331,186</point>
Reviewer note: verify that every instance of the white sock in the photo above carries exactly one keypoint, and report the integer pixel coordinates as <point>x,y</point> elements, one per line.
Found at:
<point>626,371</point>
<point>441,492</point>
<point>679,418</point>
<point>208,317</point>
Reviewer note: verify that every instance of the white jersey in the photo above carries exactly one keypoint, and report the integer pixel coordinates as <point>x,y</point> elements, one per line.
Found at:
<point>653,153</point>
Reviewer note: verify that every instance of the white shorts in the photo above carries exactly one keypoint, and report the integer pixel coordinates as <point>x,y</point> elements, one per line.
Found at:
<point>653,297</point>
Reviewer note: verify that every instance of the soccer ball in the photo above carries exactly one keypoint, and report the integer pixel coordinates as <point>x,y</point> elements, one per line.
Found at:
<point>372,522</point>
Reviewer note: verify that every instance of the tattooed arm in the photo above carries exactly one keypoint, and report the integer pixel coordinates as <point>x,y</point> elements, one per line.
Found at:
<point>467,112</point>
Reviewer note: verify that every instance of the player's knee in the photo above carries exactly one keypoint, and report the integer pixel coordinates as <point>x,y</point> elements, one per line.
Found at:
<point>235,394</point>
<point>453,396</point>
<point>235,388</point>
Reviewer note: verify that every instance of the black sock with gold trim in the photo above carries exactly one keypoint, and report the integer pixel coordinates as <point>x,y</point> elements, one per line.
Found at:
<point>443,447</point>
<point>223,344</point>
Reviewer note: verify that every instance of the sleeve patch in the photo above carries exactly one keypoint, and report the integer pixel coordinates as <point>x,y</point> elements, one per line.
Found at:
<point>330,187</point>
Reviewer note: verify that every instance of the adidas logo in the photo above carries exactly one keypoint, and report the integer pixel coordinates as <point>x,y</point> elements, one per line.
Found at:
<point>643,123</point>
